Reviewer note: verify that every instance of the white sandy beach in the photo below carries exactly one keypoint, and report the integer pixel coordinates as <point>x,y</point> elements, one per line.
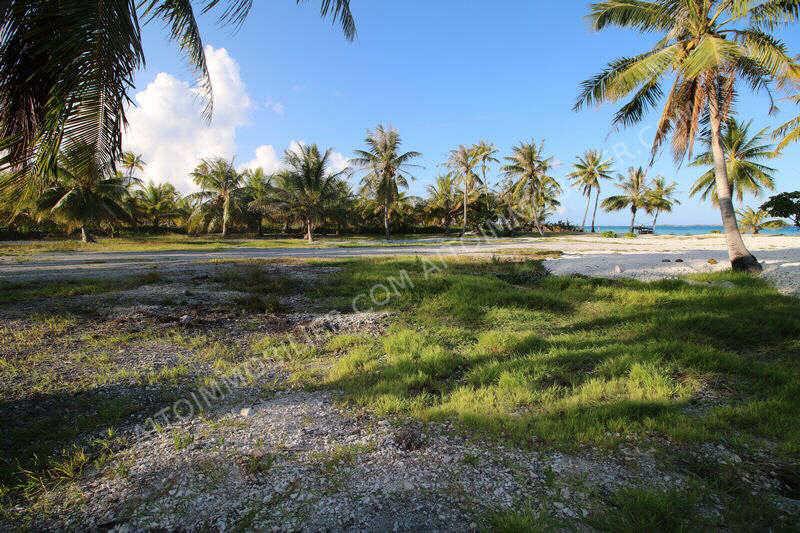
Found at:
<point>645,257</point>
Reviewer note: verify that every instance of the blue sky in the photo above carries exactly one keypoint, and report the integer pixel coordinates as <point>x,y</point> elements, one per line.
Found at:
<point>444,73</point>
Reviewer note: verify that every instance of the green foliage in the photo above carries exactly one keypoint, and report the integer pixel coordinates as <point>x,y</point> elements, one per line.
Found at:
<point>608,234</point>
<point>784,205</point>
<point>744,156</point>
<point>634,510</point>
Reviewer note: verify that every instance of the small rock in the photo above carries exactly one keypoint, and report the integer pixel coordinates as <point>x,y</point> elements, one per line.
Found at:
<point>185,319</point>
<point>679,260</point>
<point>666,261</point>
<point>618,269</point>
<point>245,412</point>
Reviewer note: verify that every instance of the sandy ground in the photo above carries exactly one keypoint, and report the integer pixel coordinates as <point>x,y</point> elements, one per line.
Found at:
<point>647,257</point>
<point>653,257</point>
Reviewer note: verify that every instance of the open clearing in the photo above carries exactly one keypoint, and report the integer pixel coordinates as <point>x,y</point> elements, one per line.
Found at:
<point>433,392</point>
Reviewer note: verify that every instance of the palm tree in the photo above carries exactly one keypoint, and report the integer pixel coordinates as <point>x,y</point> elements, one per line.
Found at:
<point>661,197</point>
<point>258,191</point>
<point>442,200</point>
<point>485,152</point>
<point>221,188</point>
<point>586,175</point>
<point>743,153</point>
<point>706,47</point>
<point>83,196</point>
<point>386,168</point>
<point>308,188</point>
<point>755,220</point>
<point>131,162</point>
<point>462,161</point>
<point>66,69</point>
<point>529,170</point>
<point>634,194</point>
<point>157,202</point>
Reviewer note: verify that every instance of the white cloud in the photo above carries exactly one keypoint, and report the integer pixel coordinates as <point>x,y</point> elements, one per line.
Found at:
<point>276,107</point>
<point>268,158</point>
<point>166,125</point>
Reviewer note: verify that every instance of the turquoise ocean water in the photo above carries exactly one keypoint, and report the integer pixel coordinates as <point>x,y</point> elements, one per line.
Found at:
<point>697,230</point>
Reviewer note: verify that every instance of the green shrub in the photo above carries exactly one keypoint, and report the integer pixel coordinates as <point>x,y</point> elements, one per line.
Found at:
<point>609,234</point>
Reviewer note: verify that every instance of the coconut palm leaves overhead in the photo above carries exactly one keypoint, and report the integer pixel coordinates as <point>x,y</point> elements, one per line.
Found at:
<point>67,67</point>
<point>587,173</point>
<point>634,194</point>
<point>789,131</point>
<point>531,186</point>
<point>308,188</point>
<point>707,49</point>
<point>744,153</point>
<point>387,169</point>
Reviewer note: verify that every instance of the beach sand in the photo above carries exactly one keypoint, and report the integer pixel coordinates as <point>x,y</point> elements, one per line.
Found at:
<point>651,257</point>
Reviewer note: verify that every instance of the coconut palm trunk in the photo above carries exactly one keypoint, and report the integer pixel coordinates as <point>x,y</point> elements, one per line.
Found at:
<point>464,224</point>
<point>586,211</point>
<point>309,230</point>
<point>535,213</point>
<point>740,256</point>
<point>85,235</point>
<point>633,218</point>
<point>594,215</point>
<point>226,204</point>
<point>386,221</point>
<point>655,218</point>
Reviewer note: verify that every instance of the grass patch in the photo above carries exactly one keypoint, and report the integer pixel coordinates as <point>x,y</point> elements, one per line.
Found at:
<point>20,292</point>
<point>509,352</point>
<point>634,510</point>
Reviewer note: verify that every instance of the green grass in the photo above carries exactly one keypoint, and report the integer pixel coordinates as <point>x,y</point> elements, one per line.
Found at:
<point>215,243</point>
<point>571,360</point>
<point>22,291</point>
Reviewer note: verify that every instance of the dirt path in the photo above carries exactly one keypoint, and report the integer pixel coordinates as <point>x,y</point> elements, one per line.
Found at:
<point>646,257</point>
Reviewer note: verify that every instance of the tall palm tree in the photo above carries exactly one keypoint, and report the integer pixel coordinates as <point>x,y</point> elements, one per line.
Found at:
<point>754,221</point>
<point>83,196</point>
<point>743,155</point>
<point>706,47</point>
<point>442,200</point>
<point>485,152</point>
<point>634,194</point>
<point>131,162</point>
<point>661,197</point>
<point>462,161</point>
<point>308,188</point>
<point>387,170</point>
<point>67,67</point>
<point>157,202</point>
<point>221,190</point>
<point>587,172</point>
<point>529,171</point>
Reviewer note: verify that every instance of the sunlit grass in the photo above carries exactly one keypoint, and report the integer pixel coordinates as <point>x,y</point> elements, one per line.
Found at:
<point>572,360</point>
